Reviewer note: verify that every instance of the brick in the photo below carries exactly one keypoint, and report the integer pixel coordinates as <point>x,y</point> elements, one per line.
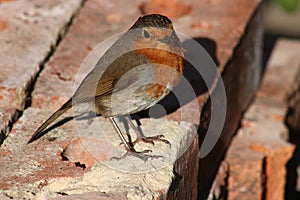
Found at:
<point>28,31</point>
<point>285,53</point>
<point>241,77</point>
<point>185,181</point>
<point>55,74</point>
<point>173,9</point>
<point>26,164</point>
<point>6,117</point>
<point>264,133</point>
<point>298,180</point>
<point>220,185</point>
<point>86,33</point>
<point>245,171</point>
<point>55,84</point>
<point>38,169</point>
<point>93,195</point>
<point>292,120</point>
<point>94,24</point>
<point>265,137</point>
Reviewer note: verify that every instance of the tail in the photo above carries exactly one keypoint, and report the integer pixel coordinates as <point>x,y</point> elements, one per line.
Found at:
<point>39,132</point>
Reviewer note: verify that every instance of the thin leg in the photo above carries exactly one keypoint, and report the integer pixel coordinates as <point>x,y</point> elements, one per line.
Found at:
<point>142,137</point>
<point>138,133</point>
<point>117,129</point>
<point>129,148</point>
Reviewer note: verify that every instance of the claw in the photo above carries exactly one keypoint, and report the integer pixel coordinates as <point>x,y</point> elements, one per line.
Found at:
<point>139,154</point>
<point>151,140</point>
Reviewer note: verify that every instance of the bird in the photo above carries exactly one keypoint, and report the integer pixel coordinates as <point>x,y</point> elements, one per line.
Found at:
<point>135,73</point>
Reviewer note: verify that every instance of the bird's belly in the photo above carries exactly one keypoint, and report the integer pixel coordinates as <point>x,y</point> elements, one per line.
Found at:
<point>131,100</point>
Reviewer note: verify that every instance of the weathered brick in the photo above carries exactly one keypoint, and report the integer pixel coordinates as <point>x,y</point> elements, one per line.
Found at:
<point>94,196</point>
<point>56,82</point>
<point>97,21</point>
<point>28,31</point>
<point>277,88</point>
<point>264,133</point>
<point>241,77</point>
<point>245,171</point>
<point>38,169</point>
<point>26,164</point>
<point>265,136</point>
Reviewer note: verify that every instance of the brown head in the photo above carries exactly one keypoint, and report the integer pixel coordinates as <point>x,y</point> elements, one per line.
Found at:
<point>156,31</point>
<point>159,43</point>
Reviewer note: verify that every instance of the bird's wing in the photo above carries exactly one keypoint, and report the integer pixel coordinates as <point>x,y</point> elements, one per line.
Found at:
<point>121,72</point>
<point>89,90</point>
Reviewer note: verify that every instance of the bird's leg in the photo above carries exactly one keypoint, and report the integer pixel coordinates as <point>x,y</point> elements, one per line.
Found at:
<point>141,137</point>
<point>124,121</point>
<point>120,134</point>
<point>129,147</point>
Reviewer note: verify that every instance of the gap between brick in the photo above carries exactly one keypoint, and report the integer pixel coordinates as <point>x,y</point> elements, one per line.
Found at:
<point>31,84</point>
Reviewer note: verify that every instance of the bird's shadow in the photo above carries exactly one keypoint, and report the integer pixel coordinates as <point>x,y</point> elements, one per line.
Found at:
<point>192,76</point>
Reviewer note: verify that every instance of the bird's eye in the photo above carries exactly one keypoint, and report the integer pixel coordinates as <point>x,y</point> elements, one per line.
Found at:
<point>146,34</point>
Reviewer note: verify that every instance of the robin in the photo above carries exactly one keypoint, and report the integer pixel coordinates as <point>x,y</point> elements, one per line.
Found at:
<point>135,73</point>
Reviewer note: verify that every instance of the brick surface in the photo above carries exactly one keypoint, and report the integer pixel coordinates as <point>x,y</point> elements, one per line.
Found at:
<point>213,22</point>
<point>28,31</point>
<point>245,172</point>
<point>101,19</point>
<point>220,184</point>
<point>263,132</point>
<point>241,78</point>
<point>94,25</point>
<point>6,117</point>
<point>293,122</point>
<point>39,170</point>
<point>185,183</point>
<point>94,196</point>
<point>286,54</point>
<point>25,164</point>
<point>56,82</point>
<point>260,149</point>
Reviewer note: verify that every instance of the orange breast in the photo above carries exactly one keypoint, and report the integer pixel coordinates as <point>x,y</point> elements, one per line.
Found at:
<point>167,69</point>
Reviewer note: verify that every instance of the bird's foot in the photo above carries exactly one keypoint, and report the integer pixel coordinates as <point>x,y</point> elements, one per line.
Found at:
<point>151,139</point>
<point>139,154</point>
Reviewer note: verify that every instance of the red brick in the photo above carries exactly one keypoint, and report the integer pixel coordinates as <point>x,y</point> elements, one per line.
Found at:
<point>93,25</point>
<point>28,30</point>
<point>172,8</point>
<point>264,132</point>
<point>76,151</point>
<point>27,164</point>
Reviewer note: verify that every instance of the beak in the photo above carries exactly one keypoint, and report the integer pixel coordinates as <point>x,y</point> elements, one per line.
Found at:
<point>167,40</point>
<point>170,41</point>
